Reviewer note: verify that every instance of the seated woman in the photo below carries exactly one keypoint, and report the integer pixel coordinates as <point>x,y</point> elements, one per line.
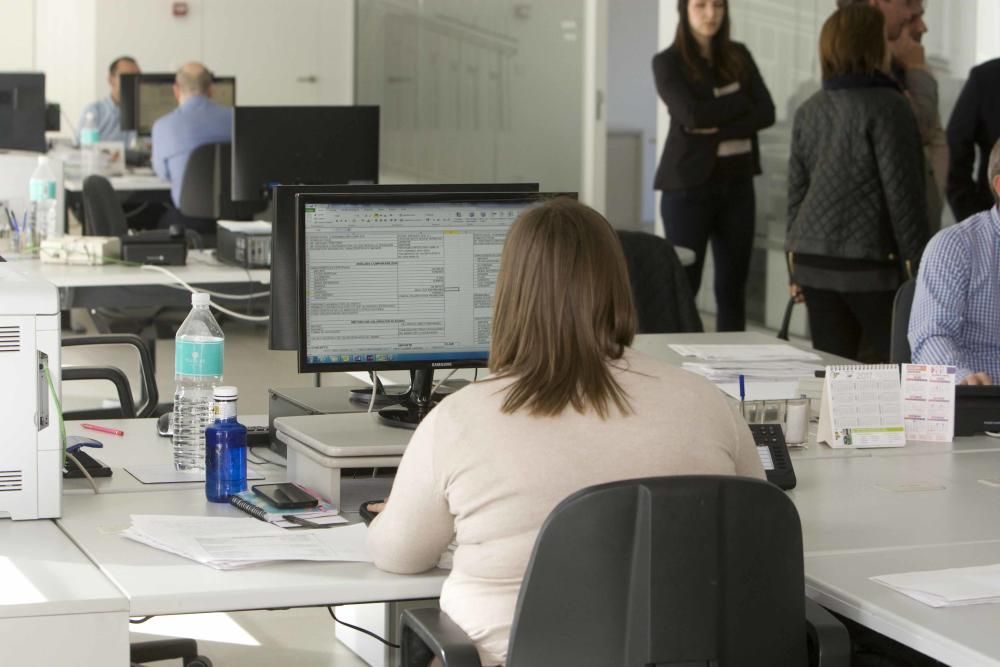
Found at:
<point>569,405</point>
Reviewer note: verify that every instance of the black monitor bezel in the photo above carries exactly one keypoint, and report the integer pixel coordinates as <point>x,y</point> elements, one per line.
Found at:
<point>29,133</point>
<point>303,200</point>
<point>284,249</point>
<point>129,95</point>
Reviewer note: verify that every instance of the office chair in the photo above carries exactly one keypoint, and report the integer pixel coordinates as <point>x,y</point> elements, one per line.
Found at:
<point>899,345</point>
<point>149,394</point>
<point>692,570</point>
<point>206,189</point>
<point>102,212</point>
<point>663,299</point>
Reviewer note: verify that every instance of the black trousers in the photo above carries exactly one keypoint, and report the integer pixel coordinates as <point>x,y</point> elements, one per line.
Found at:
<point>724,214</point>
<point>856,325</point>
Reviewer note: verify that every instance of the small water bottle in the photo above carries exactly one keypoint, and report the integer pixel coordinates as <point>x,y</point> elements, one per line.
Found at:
<point>89,136</point>
<point>42,223</point>
<point>198,356</point>
<point>225,449</point>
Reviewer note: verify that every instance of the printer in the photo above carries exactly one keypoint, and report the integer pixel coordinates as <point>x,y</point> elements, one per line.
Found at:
<point>30,445</point>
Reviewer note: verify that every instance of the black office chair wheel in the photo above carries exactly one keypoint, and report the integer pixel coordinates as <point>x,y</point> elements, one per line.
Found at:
<point>200,661</point>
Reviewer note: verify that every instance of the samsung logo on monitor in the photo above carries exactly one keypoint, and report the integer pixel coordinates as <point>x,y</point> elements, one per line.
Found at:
<point>441,364</point>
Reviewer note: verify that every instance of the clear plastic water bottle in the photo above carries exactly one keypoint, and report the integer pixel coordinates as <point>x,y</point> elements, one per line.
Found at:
<point>89,136</point>
<point>43,223</point>
<point>225,449</point>
<point>198,354</point>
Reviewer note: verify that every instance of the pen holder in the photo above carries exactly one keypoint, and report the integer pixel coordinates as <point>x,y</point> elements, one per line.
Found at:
<point>763,412</point>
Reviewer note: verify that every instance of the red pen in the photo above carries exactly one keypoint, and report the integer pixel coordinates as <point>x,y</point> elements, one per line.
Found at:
<point>103,429</point>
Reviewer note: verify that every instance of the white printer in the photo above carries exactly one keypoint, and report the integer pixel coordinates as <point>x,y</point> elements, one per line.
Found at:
<point>30,446</point>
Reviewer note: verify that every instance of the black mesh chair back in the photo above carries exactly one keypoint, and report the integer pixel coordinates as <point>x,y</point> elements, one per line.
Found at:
<point>206,187</point>
<point>689,570</point>
<point>102,211</point>
<point>660,289</point>
<point>899,345</point>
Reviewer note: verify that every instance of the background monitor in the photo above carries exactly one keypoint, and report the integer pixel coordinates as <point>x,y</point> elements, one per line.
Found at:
<point>302,146</point>
<point>147,97</point>
<point>22,111</point>
<point>400,281</point>
<point>284,332</point>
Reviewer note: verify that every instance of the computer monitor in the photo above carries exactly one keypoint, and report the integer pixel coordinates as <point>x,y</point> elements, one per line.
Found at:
<point>302,146</point>
<point>22,111</point>
<point>148,96</point>
<point>400,282</point>
<point>283,330</point>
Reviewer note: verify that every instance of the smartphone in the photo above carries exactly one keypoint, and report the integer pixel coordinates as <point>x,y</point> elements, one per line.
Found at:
<point>285,495</point>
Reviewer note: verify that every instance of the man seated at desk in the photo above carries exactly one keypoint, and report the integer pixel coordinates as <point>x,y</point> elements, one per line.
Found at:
<point>196,121</point>
<point>107,111</point>
<point>955,318</point>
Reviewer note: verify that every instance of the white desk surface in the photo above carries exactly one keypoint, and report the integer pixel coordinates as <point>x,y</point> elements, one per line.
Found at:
<point>156,582</point>
<point>202,268</point>
<point>956,636</point>
<point>877,502</point>
<point>141,446</point>
<point>42,573</point>
<point>141,180</point>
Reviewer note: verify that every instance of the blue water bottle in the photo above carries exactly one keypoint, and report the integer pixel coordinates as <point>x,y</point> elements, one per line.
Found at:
<point>225,449</point>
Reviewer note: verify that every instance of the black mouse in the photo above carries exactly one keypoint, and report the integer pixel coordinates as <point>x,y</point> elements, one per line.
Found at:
<point>164,424</point>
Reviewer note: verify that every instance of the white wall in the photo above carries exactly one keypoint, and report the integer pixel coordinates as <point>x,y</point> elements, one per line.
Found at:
<point>64,50</point>
<point>17,48</point>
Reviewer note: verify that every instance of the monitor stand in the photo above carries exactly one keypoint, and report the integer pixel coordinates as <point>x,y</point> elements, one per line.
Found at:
<point>382,397</point>
<point>415,406</point>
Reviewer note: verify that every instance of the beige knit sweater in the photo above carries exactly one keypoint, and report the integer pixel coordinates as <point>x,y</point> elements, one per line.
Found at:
<point>487,480</point>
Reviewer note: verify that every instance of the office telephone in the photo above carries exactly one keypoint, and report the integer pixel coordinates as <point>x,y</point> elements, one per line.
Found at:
<point>773,451</point>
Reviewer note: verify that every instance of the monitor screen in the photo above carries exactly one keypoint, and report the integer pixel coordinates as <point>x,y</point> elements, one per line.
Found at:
<point>302,146</point>
<point>147,97</point>
<point>22,111</point>
<point>400,281</point>
<point>283,326</point>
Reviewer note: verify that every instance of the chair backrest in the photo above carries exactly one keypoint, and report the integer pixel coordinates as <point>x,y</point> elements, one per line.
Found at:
<point>670,570</point>
<point>206,187</point>
<point>899,346</point>
<point>102,211</point>
<point>96,354</point>
<point>660,289</point>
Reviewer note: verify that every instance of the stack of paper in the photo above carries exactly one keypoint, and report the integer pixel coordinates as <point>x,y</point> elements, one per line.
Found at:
<point>769,371</point>
<point>948,588</point>
<point>226,544</point>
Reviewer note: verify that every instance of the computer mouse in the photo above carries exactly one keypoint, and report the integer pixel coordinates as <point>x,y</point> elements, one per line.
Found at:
<point>165,424</point>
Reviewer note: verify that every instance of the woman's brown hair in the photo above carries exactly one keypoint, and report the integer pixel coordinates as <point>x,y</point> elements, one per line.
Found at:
<point>563,308</point>
<point>726,58</point>
<point>852,41</point>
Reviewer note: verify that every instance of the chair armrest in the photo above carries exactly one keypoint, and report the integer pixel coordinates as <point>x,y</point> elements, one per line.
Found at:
<point>146,372</point>
<point>425,633</point>
<point>109,374</point>
<point>828,635</point>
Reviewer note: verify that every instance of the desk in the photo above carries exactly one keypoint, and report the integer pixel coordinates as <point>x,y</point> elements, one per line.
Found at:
<point>51,591</point>
<point>138,180</point>
<point>122,286</point>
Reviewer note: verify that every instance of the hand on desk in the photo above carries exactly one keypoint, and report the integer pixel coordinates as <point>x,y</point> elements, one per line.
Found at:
<point>375,508</point>
<point>975,379</point>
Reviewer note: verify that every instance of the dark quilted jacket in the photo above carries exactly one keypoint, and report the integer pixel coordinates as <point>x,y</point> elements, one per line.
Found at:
<point>856,187</point>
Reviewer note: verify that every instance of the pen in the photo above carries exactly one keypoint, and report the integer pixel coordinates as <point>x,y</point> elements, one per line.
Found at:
<point>302,522</point>
<point>743,394</point>
<point>103,429</point>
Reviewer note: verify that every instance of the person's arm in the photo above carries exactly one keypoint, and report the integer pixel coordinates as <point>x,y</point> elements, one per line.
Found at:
<point>798,172</point>
<point>761,112</point>
<point>745,454</point>
<point>923,90</point>
<point>692,113</point>
<point>416,526</point>
<point>964,195</point>
<point>900,160</point>
<point>158,157</point>
<point>938,312</point>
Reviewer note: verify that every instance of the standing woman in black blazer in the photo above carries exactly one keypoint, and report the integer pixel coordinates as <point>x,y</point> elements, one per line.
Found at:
<point>717,102</point>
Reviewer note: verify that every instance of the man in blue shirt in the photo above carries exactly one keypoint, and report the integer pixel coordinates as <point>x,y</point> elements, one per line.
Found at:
<point>955,318</point>
<point>196,121</point>
<point>107,111</point>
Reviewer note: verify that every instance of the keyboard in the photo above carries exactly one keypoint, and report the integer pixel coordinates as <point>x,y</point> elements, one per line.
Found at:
<point>773,452</point>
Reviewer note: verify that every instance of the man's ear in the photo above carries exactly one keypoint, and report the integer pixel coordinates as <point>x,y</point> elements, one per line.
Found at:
<point>996,186</point>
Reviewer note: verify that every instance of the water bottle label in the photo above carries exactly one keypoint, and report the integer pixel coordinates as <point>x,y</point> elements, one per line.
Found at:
<point>39,190</point>
<point>198,357</point>
<point>89,136</point>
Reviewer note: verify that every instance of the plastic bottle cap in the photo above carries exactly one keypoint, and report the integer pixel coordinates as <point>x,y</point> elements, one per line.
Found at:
<point>200,299</point>
<point>43,160</point>
<point>226,393</point>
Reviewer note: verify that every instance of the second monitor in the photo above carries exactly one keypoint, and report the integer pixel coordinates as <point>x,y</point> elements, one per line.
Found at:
<point>401,282</point>
<point>147,97</point>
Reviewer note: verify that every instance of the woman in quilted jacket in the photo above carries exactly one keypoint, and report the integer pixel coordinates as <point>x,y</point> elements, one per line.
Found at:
<point>857,211</point>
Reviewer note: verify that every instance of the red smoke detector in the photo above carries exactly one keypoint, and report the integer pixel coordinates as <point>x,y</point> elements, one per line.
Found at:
<point>180,9</point>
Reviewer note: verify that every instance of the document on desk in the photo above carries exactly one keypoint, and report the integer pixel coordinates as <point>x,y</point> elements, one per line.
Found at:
<point>953,587</point>
<point>225,543</point>
<point>779,352</point>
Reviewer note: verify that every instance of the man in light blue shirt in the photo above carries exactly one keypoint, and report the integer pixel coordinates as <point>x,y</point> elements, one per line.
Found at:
<point>107,110</point>
<point>196,121</point>
<point>955,318</point>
